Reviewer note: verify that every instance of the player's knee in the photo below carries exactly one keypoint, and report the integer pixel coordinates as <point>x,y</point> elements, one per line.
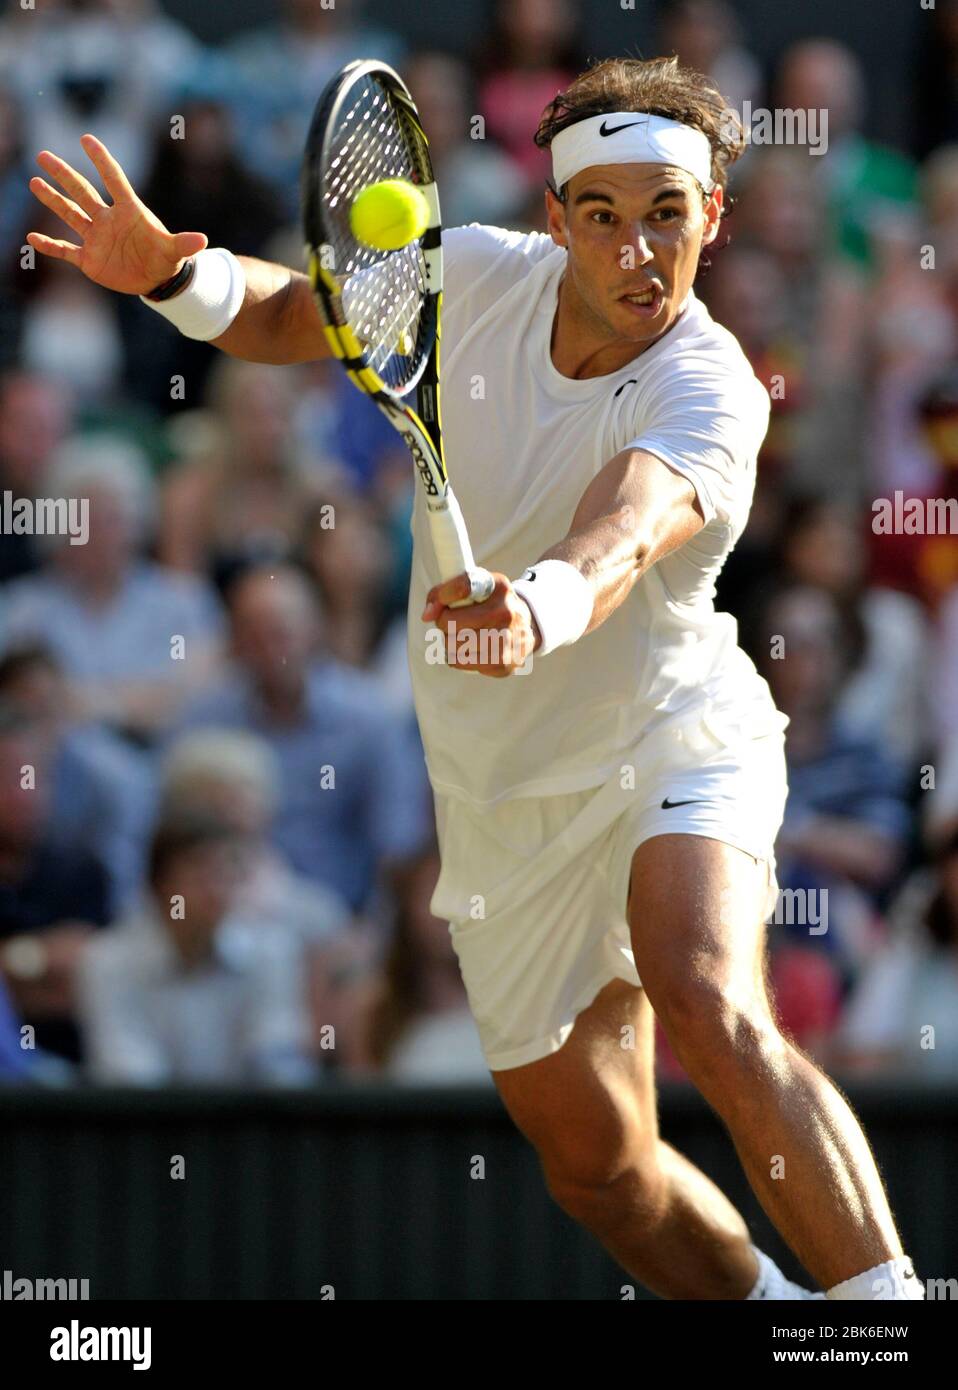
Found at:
<point>713,1033</point>
<point>597,1194</point>
<point>591,1166</point>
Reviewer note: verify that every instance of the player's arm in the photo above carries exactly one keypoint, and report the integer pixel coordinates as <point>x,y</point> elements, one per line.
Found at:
<point>633,512</point>
<point>278,322</point>
<point>123,246</point>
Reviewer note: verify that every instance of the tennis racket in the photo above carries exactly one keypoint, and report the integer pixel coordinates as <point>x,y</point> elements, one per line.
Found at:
<point>381,309</point>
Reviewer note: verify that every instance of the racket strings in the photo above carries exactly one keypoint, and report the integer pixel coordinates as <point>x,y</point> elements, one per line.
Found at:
<point>382,292</point>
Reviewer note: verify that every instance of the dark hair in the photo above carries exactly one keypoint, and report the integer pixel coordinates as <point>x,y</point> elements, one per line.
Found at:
<point>181,832</point>
<point>939,918</point>
<point>497,53</point>
<point>14,719</point>
<point>940,398</point>
<point>755,621</point>
<point>401,997</point>
<point>25,657</point>
<point>805,510</point>
<point>659,86</point>
<point>940,922</point>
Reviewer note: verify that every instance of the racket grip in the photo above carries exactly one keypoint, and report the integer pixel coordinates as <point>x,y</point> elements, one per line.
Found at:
<point>450,541</point>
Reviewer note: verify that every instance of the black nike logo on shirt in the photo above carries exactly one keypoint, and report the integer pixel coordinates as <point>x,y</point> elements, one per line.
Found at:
<point>605,129</point>
<point>668,805</point>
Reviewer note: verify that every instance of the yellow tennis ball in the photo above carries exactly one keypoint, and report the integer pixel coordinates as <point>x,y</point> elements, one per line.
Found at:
<point>389,215</point>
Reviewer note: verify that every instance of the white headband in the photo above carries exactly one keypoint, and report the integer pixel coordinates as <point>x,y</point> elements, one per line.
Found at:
<point>631,137</point>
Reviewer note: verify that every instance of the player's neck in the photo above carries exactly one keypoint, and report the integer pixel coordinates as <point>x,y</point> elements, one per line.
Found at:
<point>581,346</point>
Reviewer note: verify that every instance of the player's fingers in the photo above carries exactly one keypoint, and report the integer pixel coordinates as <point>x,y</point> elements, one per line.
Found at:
<point>66,210</point>
<point>80,189</point>
<point>441,595</point>
<point>117,184</point>
<point>189,243</point>
<point>58,250</point>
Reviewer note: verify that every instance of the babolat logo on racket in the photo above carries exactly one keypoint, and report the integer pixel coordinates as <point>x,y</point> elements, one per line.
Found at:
<point>419,458</point>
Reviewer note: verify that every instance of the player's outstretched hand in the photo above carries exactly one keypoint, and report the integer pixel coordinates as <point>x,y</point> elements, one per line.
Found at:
<point>123,246</point>
<point>494,638</point>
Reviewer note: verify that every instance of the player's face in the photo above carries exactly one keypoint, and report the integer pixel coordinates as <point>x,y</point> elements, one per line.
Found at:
<point>634,233</point>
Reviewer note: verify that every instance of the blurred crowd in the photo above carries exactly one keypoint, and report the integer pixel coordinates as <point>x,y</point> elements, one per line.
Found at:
<point>208,702</point>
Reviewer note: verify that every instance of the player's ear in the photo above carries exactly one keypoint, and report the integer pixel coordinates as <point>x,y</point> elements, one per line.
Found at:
<point>555,218</point>
<point>713,215</point>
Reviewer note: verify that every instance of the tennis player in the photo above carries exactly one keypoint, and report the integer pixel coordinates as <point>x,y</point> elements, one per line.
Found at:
<point>608,816</point>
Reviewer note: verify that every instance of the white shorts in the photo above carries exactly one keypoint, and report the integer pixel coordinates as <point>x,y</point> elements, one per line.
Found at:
<point>535,888</point>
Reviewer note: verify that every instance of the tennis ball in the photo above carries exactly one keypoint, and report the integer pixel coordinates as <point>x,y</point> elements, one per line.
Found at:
<point>389,215</point>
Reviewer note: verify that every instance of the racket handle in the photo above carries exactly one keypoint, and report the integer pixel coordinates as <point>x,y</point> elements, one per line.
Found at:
<point>450,541</point>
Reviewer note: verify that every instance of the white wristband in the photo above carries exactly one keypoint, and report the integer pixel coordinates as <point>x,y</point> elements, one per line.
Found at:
<point>561,600</point>
<point>211,300</point>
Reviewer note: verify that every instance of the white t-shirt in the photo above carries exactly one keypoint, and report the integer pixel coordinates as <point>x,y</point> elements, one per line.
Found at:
<point>522,443</point>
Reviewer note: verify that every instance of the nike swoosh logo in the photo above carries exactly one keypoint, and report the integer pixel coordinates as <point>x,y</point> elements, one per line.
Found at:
<point>668,805</point>
<point>606,129</point>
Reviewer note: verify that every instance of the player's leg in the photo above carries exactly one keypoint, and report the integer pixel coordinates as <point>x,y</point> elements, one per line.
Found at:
<point>589,1110</point>
<point>696,913</point>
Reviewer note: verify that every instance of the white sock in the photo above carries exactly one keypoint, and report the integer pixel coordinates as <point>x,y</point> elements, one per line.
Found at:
<point>772,1284</point>
<point>895,1280</point>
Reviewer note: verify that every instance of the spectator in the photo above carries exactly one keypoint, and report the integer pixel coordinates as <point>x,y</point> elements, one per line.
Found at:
<point>354,796</point>
<point>903,1016</point>
<point>935,105</point>
<point>108,64</point>
<point>418,1027</point>
<point>197,181</point>
<point>21,1061</point>
<point>133,638</point>
<point>240,492</point>
<point>705,35</point>
<point>51,897</point>
<point>746,291</point>
<point>822,545</point>
<point>35,414</point>
<point>945,672</point>
<point>16,216</point>
<point>820,319</point>
<point>71,335</point>
<point>477,181</point>
<point>914,554</point>
<point>235,776</point>
<point>346,436</point>
<point>185,991</point>
<point>533,50</point>
<point>284,67</point>
<point>843,837</point>
<point>100,787</point>
<point>912,326</point>
<point>345,553</point>
<point>15,1059</point>
<point>861,178</point>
